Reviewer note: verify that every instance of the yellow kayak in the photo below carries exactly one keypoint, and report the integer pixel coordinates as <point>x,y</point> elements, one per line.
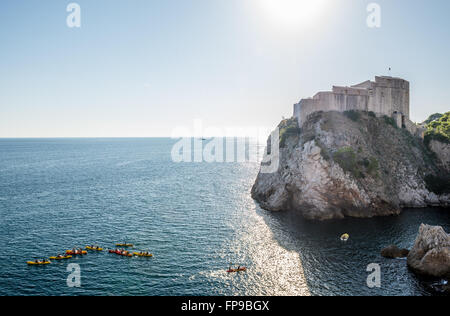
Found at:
<point>95,249</point>
<point>345,237</point>
<point>34,263</point>
<point>124,245</point>
<point>60,258</point>
<point>142,255</point>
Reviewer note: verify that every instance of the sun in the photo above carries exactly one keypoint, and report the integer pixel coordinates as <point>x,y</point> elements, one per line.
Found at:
<point>294,13</point>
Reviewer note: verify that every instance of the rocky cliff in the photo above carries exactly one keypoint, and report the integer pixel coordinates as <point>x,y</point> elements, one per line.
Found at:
<point>442,150</point>
<point>351,164</point>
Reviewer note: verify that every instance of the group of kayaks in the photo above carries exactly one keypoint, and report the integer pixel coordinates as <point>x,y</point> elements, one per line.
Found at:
<point>120,252</point>
<point>79,252</point>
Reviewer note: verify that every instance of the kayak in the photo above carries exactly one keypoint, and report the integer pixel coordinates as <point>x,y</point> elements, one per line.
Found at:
<point>120,253</point>
<point>33,263</point>
<point>345,237</point>
<point>77,253</point>
<point>95,249</point>
<point>60,258</point>
<point>237,270</point>
<point>142,255</point>
<point>124,245</point>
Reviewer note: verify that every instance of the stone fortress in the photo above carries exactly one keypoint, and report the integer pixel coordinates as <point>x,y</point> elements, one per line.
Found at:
<point>385,96</point>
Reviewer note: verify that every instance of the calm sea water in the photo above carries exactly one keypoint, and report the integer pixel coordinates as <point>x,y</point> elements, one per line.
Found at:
<point>195,218</point>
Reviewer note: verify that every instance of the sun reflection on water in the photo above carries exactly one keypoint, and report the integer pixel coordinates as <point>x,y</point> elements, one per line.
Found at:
<point>272,269</point>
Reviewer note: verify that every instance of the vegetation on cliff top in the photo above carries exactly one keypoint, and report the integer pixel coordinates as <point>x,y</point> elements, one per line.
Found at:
<point>438,128</point>
<point>433,117</point>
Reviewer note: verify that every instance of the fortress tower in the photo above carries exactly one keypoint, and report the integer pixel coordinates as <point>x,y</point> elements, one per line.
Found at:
<point>384,96</point>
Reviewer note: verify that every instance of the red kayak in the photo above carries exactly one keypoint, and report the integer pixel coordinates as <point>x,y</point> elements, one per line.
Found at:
<point>237,270</point>
<point>118,252</point>
<point>76,253</point>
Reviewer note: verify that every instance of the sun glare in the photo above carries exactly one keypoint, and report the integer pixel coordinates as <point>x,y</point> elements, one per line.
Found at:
<point>294,13</point>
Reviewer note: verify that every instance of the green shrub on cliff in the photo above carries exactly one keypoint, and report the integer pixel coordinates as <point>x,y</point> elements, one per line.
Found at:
<point>288,128</point>
<point>353,115</point>
<point>346,158</point>
<point>350,162</point>
<point>433,117</point>
<point>372,166</point>
<point>390,121</point>
<point>439,130</point>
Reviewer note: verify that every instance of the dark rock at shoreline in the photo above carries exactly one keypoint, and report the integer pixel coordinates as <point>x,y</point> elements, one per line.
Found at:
<point>431,252</point>
<point>393,252</point>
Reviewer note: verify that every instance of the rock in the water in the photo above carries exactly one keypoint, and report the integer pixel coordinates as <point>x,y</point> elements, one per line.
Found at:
<point>431,252</point>
<point>393,252</point>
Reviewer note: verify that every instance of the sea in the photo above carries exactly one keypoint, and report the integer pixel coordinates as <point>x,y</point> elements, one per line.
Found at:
<point>197,219</point>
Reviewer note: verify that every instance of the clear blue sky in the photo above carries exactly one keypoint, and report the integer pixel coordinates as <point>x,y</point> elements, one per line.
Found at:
<point>143,67</point>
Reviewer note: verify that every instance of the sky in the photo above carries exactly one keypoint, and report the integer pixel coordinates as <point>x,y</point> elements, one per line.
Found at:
<point>142,68</point>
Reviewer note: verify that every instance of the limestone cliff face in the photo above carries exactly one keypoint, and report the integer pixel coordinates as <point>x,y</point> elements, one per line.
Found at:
<point>350,164</point>
<point>442,151</point>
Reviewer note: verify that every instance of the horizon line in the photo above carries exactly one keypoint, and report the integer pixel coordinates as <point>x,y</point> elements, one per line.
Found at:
<point>126,137</point>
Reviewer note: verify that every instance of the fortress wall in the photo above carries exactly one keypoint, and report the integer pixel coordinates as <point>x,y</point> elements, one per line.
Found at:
<point>345,102</point>
<point>379,101</point>
<point>398,119</point>
<point>297,111</point>
<point>349,90</point>
<point>326,102</point>
<point>414,129</point>
<point>304,108</point>
<point>330,101</point>
<point>386,96</point>
<point>390,95</point>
